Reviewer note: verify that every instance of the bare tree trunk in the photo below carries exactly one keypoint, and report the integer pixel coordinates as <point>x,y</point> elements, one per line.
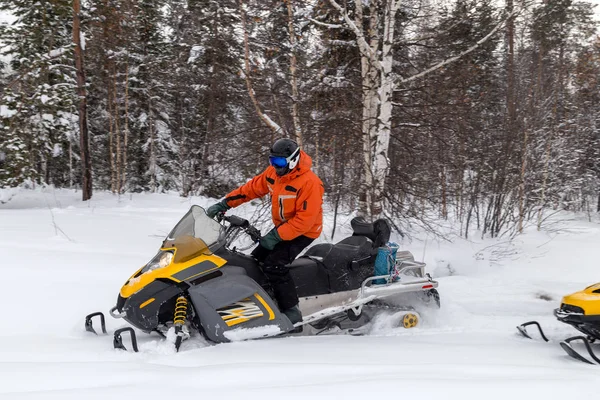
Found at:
<point>544,181</point>
<point>511,108</point>
<point>126,129</point>
<point>522,182</point>
<point>118,173</point>
<point>444,193</point>
<point>70,164</point>
<point>293,71</point>
<point>111,134</point>
<point>152,149</point>
<point>86,162</point>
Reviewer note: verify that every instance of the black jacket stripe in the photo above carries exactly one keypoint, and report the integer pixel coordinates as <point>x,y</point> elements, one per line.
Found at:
<point>239,196</point>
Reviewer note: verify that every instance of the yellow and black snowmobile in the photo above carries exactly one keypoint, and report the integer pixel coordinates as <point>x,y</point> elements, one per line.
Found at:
<point>198,283</point>
<point>582,311</point>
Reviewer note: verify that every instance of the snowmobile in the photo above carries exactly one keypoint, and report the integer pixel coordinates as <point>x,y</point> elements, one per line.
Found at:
<point>581,310</point>
<point>199,283</point>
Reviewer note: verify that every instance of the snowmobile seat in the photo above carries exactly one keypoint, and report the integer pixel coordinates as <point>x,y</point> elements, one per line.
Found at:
<point>341,266</point>
<point>379,231</point>
<point>329,268</point>
<point>348,264</point>
<point>357,241</point>
<point>310,277</point>
<point>319,251</point>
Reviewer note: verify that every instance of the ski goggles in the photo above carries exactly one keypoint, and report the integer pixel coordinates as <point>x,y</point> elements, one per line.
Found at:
<point>280,161</point>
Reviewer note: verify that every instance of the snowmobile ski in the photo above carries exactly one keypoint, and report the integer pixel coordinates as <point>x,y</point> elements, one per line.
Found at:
<point>564,344</point>
<point>581,310</point>
<point>118,340</point>
<point>523,330</point>
<point>89,325</point>
<point>568,348</point>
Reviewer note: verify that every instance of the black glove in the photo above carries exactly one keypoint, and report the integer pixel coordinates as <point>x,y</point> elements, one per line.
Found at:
<point>270,239</point>
<point>260,253</point>
<point>217,208</point>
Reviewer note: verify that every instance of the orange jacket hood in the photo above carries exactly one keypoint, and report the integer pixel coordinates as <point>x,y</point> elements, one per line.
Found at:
<point>304,165</point>
<point>296,198</point>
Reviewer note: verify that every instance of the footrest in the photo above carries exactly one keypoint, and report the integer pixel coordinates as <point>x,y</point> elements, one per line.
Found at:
<point>89,325</point>
<point>118,340</point>
<point>523,329</point>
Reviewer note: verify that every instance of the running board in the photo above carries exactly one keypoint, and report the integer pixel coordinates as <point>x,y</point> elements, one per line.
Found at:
<point>389,289</point>
<point>355,306</point>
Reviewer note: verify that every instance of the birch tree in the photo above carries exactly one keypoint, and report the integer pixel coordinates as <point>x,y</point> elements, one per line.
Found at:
<point>375,42</point>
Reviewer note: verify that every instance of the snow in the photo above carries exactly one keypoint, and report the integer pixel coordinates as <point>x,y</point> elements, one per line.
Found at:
<point>195,52</point>
<point>62,259</point>
<point>241,334</point>
<point>57,52</point>
<point>6,112</point>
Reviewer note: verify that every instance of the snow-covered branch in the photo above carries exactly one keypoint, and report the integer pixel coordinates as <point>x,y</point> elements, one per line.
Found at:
<point>330,26</point>
<point>458,56</point>
<point>360,37</point>
<point>265,118</point>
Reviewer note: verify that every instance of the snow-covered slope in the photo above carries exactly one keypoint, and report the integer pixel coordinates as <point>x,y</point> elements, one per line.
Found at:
<point>61,259</point>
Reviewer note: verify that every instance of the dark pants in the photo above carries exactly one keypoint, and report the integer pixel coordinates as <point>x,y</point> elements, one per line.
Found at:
<point>274,266</point>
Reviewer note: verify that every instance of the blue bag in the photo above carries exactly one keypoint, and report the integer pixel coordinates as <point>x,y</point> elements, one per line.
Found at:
<point>385,261</point>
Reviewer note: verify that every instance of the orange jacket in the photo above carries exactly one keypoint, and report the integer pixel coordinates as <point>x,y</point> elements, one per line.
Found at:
<point>296,199</point>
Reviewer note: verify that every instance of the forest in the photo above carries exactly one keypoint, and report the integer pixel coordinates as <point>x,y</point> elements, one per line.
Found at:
<point>483,112</point>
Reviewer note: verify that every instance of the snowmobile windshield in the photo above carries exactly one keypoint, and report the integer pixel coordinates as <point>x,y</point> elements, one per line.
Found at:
<point>194,234</point>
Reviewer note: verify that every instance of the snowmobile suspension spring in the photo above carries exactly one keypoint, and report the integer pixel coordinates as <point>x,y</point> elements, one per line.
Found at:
<point>180,311</point>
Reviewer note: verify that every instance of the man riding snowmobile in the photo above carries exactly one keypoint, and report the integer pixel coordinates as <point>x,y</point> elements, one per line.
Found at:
<point>296,199</point>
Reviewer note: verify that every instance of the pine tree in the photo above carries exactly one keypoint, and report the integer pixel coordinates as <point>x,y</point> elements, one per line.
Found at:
<point>210,116</point>
<point>39,103</point>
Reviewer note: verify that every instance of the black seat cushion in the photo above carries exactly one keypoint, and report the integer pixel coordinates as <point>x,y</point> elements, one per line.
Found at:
<point>310,277</point>
<point>356,241</point>
<point>379,231</point>
<point>383,231</point>
<point>339,265</point>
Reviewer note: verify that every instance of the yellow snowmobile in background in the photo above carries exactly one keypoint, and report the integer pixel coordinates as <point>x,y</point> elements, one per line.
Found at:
<point>582,311</point>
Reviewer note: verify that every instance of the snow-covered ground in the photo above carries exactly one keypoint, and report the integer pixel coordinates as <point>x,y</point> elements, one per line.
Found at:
<point>62,259</point>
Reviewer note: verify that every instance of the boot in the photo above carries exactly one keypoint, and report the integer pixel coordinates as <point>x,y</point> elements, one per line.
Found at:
<point>294,315</point>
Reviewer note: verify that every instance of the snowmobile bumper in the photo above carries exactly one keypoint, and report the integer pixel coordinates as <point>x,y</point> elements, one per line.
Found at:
<point>575,318</point>
<point>413,280</point>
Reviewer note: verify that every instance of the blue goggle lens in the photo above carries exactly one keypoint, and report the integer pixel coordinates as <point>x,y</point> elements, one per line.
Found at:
<point>278,162</point>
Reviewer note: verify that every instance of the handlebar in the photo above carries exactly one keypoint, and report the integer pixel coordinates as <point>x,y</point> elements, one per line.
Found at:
<point>237,221</point>
<point>242,224</point>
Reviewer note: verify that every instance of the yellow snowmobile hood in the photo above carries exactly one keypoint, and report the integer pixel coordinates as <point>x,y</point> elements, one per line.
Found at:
<point>199,264</point>
<point>588,299</point>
